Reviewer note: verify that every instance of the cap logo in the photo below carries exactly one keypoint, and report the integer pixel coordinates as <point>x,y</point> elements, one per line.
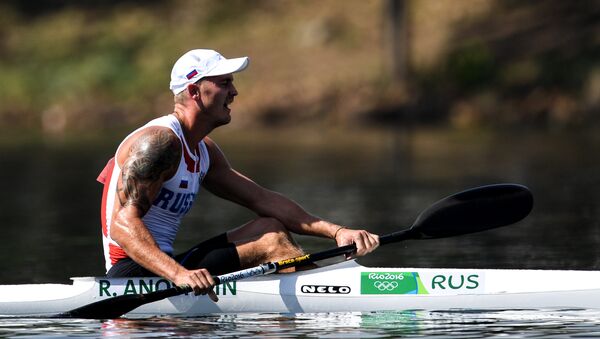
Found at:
<point>191,74</point>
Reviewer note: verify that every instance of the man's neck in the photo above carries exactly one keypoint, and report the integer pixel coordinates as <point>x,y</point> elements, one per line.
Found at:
<point>194,130</point>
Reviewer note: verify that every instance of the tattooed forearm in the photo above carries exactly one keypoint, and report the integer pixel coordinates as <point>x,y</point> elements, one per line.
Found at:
<point>153,155</point>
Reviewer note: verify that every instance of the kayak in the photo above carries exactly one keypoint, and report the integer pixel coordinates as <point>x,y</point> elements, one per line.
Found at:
<point>342,287</point>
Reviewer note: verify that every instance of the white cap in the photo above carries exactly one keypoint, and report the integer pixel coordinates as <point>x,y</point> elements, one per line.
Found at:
<point>200,63</point>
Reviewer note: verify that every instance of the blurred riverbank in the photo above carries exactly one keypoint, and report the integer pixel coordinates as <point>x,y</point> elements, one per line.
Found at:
<point>104,65</point>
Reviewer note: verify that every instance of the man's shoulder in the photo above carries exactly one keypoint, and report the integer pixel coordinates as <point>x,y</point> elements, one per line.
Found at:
<point>208,141</point>
<point>155,138</point>
<point>211,146</point>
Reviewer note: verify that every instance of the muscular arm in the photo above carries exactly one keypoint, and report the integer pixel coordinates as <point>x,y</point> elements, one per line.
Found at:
<point>225,182</point>
<point>149,159</point>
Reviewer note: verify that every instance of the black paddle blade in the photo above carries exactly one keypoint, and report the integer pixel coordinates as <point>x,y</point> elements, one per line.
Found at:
<point>474,210</point>
<point>113,308</point>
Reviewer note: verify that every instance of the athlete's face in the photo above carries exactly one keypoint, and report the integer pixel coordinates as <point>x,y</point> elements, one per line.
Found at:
<point>216,95</point>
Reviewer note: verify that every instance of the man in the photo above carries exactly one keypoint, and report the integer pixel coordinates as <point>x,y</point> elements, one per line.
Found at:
<point>155,175</point>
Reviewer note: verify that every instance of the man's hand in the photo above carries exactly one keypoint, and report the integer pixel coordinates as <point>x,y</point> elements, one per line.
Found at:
<point>365,242</point>
<point>199,280</point>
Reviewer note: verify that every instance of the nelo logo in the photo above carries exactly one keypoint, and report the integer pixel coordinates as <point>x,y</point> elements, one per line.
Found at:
<point>325,289</point>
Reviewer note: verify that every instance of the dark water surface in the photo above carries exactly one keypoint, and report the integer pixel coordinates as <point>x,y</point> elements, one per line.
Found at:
<point>406,324</point>
<point>50,202</point>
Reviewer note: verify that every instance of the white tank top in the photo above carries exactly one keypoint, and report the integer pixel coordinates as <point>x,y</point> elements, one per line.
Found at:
<point>174,199</point>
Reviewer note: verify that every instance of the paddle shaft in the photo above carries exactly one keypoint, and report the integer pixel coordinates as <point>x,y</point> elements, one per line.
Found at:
<point>273,267</point>
<point>117,306</point>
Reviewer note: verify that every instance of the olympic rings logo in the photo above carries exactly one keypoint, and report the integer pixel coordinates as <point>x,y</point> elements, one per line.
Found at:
<point>385,285</point>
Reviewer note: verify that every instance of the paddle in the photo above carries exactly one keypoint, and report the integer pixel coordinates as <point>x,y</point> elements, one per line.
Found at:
<point>470,211</point>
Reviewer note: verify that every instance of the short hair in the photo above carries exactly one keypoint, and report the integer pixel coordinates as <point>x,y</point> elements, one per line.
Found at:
<point>179,98</point>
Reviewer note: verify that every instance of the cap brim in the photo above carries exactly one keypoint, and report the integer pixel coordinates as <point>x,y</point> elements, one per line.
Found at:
<point>229,66</point>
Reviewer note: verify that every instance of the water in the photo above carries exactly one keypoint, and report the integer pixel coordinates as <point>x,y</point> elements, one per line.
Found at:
<point>391,324</point>
<point>376,180</point>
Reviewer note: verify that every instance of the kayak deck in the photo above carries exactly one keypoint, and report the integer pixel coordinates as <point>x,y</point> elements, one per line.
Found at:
<point>342,287</point>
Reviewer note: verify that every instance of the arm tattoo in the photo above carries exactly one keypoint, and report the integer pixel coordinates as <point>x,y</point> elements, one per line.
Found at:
<point>154,154</point>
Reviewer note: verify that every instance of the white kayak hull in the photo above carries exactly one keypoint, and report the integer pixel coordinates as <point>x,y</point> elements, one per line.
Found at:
<point>343,287</point>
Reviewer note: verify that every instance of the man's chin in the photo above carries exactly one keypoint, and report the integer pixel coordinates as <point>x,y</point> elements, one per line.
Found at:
<point>225,120</point>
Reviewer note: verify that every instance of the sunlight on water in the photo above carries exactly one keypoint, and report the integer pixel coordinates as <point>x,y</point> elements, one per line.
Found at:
<point>411,324</point>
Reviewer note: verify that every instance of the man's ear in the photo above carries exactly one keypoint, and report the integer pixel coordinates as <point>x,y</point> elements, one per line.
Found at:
<point>193,91</point>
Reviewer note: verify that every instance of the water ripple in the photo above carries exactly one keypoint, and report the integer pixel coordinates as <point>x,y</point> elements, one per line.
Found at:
<point>408,324</point>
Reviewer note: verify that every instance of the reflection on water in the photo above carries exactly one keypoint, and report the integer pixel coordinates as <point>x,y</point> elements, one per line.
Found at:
<point>377,180</point>
<point>389,324</point>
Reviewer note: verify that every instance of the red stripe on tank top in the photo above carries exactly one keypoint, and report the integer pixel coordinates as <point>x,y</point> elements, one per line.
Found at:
<point>104,178</point>
<point>115,253</point>
<point>192,165</point>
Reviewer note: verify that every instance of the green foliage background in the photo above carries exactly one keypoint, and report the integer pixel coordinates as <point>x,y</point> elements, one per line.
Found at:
<point>105,65</point>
